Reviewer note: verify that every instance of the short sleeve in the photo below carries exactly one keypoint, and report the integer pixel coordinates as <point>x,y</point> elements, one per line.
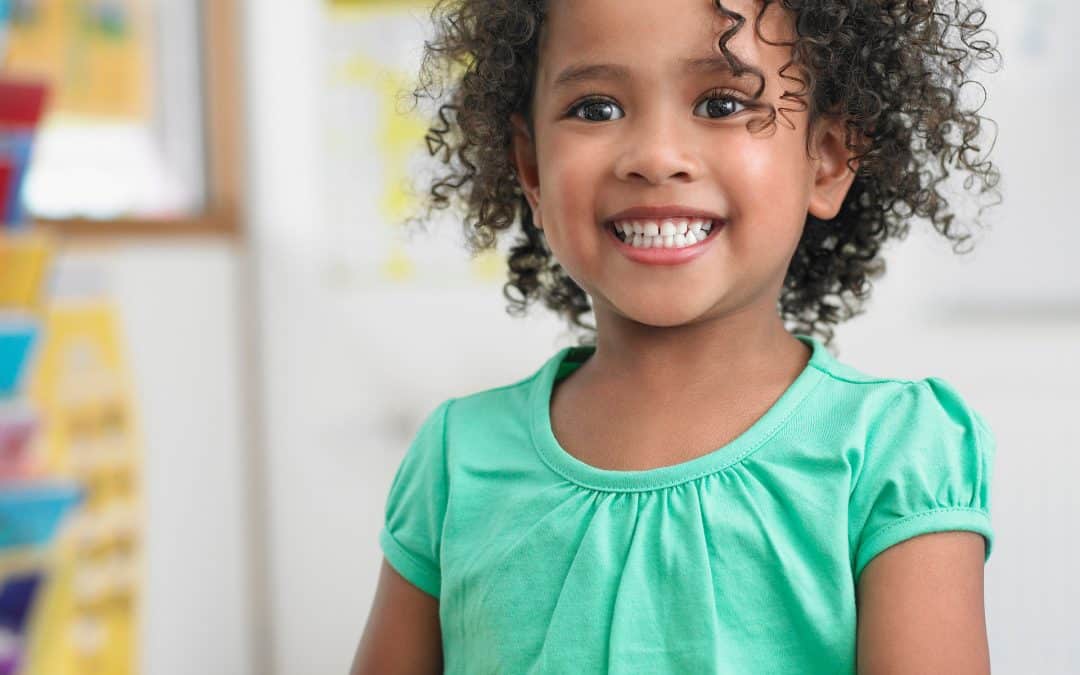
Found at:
<point>927,467</point>
<point>416,506</point>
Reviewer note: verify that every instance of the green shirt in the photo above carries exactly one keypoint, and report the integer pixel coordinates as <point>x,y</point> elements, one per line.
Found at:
<point>743,560</point>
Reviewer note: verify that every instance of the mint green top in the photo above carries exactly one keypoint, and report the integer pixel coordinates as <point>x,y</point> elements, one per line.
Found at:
<point>743,560</point>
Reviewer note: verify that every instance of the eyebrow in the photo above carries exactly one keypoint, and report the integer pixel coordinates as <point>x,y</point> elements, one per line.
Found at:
<point>583,72</point>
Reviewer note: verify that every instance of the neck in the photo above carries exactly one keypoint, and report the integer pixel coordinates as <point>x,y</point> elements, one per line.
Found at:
<point>717,354</point>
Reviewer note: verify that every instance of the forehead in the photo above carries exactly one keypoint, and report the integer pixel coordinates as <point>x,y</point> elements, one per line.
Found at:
<point>660,37</point>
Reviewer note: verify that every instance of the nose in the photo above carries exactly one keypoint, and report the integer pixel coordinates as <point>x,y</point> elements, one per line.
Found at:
<point>658,147</point>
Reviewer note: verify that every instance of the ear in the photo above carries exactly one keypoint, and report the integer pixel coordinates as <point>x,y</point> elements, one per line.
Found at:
<point>832,176</point>
<point>523,157</point>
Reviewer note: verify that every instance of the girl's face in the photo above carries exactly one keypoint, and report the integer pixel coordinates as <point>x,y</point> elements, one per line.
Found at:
<point>623,119</point>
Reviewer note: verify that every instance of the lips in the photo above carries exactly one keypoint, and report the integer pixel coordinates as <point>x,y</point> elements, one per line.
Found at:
<point>661,212</point>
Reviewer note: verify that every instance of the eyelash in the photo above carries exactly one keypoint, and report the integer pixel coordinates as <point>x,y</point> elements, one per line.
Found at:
<point>713,94</point>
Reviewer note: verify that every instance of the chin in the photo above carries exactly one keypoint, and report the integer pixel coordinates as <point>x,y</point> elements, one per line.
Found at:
<point>667,315</point>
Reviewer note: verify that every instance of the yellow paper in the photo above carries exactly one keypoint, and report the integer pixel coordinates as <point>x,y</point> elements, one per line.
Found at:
<point>86,622</point>
<point>24,260</point>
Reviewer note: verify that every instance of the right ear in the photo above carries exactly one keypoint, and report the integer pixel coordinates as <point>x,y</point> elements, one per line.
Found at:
<point>523,157</point>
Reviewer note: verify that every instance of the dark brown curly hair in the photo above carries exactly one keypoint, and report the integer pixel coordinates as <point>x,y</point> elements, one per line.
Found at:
<point>893,69</point>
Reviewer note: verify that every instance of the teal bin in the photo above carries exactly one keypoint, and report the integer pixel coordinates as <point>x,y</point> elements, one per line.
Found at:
<point>30,513</point>
<point>16,341</point>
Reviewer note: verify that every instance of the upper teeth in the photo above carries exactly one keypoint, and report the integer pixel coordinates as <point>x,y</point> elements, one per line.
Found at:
<point>664,232</point>
<point>663,227</point>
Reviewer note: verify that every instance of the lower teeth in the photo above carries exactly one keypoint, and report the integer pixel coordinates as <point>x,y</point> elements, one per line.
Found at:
<point>672,241</point>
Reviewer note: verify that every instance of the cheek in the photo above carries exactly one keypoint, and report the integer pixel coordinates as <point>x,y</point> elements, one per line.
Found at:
<point>769,184</point>
<point>567,168</point>
<point>768,191</point>
<point>568,178</point>
<point>568,187</point>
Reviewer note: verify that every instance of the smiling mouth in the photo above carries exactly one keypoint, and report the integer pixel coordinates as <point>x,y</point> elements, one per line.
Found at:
<point>664,232</point>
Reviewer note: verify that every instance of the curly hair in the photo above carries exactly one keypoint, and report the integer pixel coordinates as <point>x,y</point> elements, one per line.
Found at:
<point>893,69</point>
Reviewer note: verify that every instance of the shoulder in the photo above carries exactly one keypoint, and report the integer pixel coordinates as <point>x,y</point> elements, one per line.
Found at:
<point>853,396</point>
<point>867,400</point>
<point>508,399</point>
<point>927,408</point>
<point>495,400</point>
<point>478,414</point>
<point>895,421</point>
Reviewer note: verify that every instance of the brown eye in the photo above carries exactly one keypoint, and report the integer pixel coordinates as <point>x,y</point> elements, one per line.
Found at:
<point>595,110</point>
<point>720,106</point>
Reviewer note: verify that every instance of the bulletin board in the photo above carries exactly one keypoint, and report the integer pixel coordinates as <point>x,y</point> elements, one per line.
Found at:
<point>141,131</point>
<point>87,620</point>
<point>96,55</point>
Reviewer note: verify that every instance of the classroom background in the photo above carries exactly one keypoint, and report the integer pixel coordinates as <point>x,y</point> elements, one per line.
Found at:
<point>216,341</point>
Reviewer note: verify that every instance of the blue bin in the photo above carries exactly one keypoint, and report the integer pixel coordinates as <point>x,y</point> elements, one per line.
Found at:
<point>16,341</point>
<point>30,513</point>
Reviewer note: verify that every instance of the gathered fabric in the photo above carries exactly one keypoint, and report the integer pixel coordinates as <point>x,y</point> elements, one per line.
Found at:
<point>743,560</point>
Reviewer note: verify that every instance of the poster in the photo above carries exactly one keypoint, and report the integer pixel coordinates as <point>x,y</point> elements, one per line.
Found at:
<point>88,616</point>
<point>94,52</point>
<point>375,159</point>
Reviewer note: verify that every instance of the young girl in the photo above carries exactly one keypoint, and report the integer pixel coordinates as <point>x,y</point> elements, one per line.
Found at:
<point>700,486</point>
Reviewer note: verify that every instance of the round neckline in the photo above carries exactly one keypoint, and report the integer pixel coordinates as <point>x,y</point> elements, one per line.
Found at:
<point>586,475</point>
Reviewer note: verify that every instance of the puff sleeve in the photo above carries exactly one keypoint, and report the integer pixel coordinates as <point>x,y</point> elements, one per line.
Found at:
<point>411,536</point>
<point>927,467</point>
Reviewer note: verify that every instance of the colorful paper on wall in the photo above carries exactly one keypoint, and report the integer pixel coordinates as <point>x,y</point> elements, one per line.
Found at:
<point>16,341</point>
<point>7,179</point>
<point>18,424</point>
<point>33,507</point>
<point>24,263</point>
<point>374,150</point>
<point>87,617</point>
<point>30,512</point>
<point>22,104</point>
<point>16,148</point>
<point>5,25</point>
<point>17,593</point>
<point>94,52</point>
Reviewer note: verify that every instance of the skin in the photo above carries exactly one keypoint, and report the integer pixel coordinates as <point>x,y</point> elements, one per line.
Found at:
<point>921,607</point>
<point>704,335</point>
<point>402,633</point>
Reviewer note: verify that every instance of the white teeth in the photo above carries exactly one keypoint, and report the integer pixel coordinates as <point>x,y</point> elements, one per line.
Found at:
<point>663,227</point>
<point>667,233</point>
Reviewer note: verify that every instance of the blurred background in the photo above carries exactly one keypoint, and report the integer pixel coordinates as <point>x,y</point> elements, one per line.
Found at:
<point>216,342</point>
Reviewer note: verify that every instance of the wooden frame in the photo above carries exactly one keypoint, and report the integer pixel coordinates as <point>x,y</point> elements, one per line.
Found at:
<point>223,107</point>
